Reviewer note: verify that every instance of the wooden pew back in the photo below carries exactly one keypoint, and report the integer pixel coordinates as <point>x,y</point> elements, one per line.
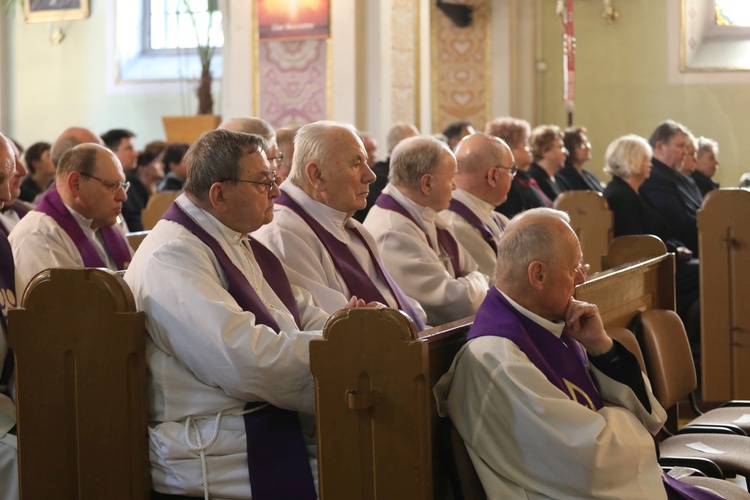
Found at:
<point>80,387</point>
<point>158,203</point>
<point>377,422</point>
<point>592,221</point>
<point>724,245</point>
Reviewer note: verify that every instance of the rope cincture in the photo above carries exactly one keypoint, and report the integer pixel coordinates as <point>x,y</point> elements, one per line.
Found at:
<point>201,448</point>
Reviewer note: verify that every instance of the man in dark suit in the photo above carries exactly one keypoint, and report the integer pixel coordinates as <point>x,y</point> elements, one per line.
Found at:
<point>665,189</point>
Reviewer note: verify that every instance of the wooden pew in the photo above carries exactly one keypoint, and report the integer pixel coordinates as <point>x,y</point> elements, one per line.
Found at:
<point>81,387</point>
<point>592,221</point>
<point>376,415</point>
<point>724,245</point>
<point>158,203</point>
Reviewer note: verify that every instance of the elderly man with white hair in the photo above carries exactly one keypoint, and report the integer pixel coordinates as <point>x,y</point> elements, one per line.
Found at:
<point>417,247</point>
<point>313,231</point>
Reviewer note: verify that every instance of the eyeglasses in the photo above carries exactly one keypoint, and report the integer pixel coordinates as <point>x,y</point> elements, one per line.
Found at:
<point>112,186</point>
<point>278,158</point>
<point>269,183</point>
<point>513,169</point>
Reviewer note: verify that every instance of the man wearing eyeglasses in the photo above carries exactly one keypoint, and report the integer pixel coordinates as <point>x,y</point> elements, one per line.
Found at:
<point>313,231</point>
<point>483,179</point>
<point>76,223</point>
<point>417,247</point>
<point>228,336</point>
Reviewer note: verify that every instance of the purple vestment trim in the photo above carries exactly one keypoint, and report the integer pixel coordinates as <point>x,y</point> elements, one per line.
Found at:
<point>355,277</point>
<point>475,222</point>
<point>276,455</point>
<point>446,241</point>
<point>562,360</point>
<point>52,205</point>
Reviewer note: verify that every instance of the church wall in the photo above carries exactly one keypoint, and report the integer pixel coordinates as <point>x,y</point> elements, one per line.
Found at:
<point>51,87</point>
<point>628,81</point>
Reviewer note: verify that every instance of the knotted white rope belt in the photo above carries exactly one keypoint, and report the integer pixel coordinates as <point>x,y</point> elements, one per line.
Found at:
<point>199,447</point>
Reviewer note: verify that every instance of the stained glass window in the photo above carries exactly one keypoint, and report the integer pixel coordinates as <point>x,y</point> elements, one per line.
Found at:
<point>732,12</point>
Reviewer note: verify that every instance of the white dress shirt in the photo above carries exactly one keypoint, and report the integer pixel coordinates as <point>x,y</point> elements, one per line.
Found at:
<point>422,270</point>
<point>470,237</point>
<point>40,243</point>
<point>295,243</point>
<point>205,354</point>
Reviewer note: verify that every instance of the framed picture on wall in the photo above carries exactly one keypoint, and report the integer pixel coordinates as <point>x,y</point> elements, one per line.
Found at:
<point>292,19</point>
<point>42,11</point>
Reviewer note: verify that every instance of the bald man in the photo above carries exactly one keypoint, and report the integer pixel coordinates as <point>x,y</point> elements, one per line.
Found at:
<point>76,223</point>
<point>70,138</point>
<point>483,178</point>
<point>526,392</point>
<point>8,442</point>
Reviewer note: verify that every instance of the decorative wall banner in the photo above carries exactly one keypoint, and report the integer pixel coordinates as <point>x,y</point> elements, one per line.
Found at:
<point>461,76</point>
<point>293,19</point>
<point>293,81</point>
<point>405,61</point>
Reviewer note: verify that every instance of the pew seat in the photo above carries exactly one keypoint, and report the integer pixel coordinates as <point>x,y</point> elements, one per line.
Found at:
<point>79,349</point>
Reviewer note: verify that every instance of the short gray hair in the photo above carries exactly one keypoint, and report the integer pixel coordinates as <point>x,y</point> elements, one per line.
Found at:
<point>534,241</point>
<point>311,145</point>
<point>80,158</point>
<point>215,157</point>
<point>706,144</point>
<point>414,157</point>
<point>397,133</point>
<point>665,131</point>
<point>252,125</point>
<point>625,154</point>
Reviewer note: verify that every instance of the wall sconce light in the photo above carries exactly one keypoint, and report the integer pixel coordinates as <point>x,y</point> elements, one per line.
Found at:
<point>460,14</point>
<point>56,35</point>
<point>610,14</point>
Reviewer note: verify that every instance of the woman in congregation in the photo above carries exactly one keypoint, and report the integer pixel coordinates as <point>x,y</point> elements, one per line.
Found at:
<point>549,157</point>
<point>628,160</point>
<point>174,166</point>
<point>524,192</point>
<point>41,171</point>
<point>573,174</point>
<point>706,165</point>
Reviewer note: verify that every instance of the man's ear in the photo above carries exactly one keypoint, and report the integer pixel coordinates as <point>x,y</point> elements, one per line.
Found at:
<point>217,195</point>
<point>73,182</point>
<point>537,272</point>
<point>491,180</point>
<point>315,177</point>
<point>425,184</point>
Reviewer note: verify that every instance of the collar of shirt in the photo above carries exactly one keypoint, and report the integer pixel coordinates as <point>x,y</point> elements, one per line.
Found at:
<point>238,243</point>
<point>425,215</point>
<point>331,219</point>
<point>555,328</point>
<point>477,205</point>
<point>83,222</point>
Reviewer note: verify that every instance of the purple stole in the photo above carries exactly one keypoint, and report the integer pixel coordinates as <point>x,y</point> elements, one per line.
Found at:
<point>446,241</point>
<point>52,205</point>
<point>8,289</point>
<point>475,222</point>
<point>563,362</point>
<point>355,277</point>
<point>276,454</point>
